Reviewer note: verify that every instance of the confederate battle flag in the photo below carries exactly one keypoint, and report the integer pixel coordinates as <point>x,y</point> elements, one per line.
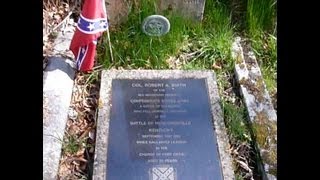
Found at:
<point>91,24</point>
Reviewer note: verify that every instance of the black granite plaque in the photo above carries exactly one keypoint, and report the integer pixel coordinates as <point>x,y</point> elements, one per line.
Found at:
<point>161,130</point>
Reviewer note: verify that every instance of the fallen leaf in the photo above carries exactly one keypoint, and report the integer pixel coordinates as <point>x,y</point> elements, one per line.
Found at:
<point>214,66</point>
<point>57,17</point>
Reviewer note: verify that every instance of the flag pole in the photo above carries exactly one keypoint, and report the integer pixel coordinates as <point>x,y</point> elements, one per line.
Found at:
<point>108,33</point>
<point>110,47</point>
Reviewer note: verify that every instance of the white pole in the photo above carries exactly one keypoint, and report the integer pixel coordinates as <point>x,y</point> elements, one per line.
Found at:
<point>110,48</point>
<point>108,34</point>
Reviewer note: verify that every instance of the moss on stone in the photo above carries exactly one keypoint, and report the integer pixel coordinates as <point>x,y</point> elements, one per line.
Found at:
<point>239,59</point>
<point>265,131</point>
<point>255,88</point>
<point>242,81</point>
<point>264,127</point>
<point>273,170</point>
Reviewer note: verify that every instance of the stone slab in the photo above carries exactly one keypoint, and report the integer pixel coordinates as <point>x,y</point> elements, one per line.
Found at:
<point>58,80</point>
<point>117,11</point>
<point>259,106</point>
<point>103,124</point>
<point>192,9</point>
<point>61,44</point>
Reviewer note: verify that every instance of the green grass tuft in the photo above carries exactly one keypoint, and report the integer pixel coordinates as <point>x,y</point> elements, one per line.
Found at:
<point>236,120</point>
<point>212,38</point>
<point>261,16</point>
<point>261,27</point>
<point>72,144</point>
<point>134,49</point>
<point>265,49</point>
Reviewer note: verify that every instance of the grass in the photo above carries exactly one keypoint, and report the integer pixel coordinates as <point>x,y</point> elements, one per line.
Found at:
<point>214,39</point>
<point>72,144</point>
<point>134,49</point>
<point>209,42</point>
<point>265,49</point>
<point>261,28</point>
<point>238,177</point>
<point>235,119</point>
<point>261,16</point>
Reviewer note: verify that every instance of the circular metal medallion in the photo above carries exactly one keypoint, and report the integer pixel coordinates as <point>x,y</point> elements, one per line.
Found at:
<point>156,25</point>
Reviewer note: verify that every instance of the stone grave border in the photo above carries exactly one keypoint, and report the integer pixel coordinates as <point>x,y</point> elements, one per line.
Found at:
<point>100,157</point>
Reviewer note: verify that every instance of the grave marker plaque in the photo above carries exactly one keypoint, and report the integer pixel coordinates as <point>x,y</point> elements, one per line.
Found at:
<point>161,129</point>
<point>156,25</point>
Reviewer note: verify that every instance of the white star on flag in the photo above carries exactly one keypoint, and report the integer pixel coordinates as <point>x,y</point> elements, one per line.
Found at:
<point>103,23</point>
<point>91,26</point>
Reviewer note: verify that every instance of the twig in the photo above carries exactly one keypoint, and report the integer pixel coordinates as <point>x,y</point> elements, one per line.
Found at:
<point>97,67</point>
<point>53,29</point>
<point>67,17</point>
<point>71,159</point>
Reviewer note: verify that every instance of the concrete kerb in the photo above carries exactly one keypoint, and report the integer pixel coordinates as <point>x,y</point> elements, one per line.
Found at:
<point>262,115</point>
<point>58,81</point>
